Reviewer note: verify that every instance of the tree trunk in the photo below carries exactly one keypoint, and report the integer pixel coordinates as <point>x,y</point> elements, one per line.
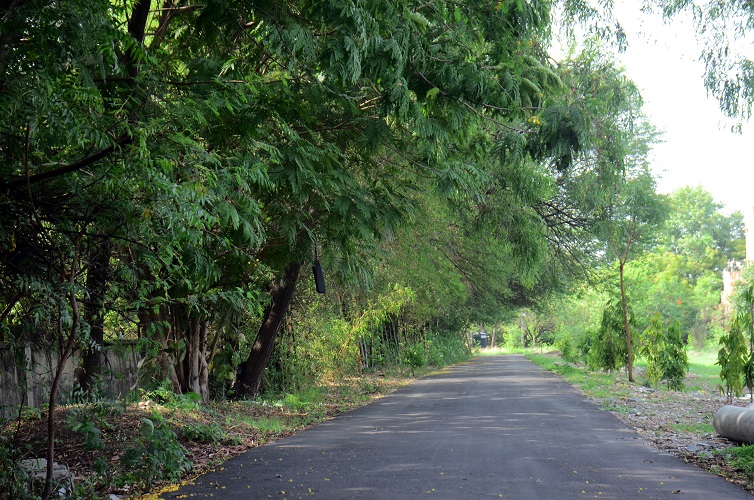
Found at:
<point>64,355</point>
<point>626,326</point>
<point>191,371</point>
<point>97,273</point>
<point>250,376</point>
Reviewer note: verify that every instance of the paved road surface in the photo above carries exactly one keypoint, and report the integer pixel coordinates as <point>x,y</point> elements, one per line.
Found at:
<point>498,427</point>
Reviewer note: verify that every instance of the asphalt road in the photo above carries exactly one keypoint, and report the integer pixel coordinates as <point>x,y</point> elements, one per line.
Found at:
<point>498,427</point>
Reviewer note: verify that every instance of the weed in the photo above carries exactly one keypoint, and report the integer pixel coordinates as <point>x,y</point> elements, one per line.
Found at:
<point>615,407</point>
<point>695,428</point>
<point>235,440</point>
<point>292,402</point>
<point>742,458</point>
<point>204,433</point>
<point>89,419</point>
<point>164,395</point>
<point>156,455</point>
<point>266,425</point>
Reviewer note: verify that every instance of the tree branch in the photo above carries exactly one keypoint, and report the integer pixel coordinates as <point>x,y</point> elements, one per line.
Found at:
<point>71,167</point>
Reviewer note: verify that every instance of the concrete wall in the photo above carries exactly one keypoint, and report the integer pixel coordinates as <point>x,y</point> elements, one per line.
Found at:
<point>119,375</point>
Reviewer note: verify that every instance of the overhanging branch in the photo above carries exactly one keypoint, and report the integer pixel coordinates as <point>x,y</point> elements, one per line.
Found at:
<point>71,167</point>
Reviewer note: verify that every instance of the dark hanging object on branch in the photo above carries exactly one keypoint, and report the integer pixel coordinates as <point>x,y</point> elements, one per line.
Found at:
<point>319,276</point>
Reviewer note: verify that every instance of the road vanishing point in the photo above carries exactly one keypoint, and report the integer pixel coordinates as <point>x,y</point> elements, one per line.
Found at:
<point>496,427</point>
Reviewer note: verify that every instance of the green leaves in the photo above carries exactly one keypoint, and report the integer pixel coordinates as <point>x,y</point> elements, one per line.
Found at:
<point>663,346</point>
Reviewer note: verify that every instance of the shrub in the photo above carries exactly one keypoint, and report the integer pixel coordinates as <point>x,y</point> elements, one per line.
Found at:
<point>443,350</point>
<point>567,348</point>
<point>742,457</point>
<point>157,454</point>
<point>414,356</point>
<point>608,349</point>
<point>204,433</point>
<point>673,361</point>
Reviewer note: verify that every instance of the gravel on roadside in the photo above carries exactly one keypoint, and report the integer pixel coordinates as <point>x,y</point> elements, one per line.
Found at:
<point>679,423</point>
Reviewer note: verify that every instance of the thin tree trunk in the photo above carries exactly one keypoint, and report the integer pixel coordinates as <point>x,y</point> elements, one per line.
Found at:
<point>626,325</point>
<point>250,376</point>
<point>203,381</point>
<point>96,281</point>
<point>194,352</point>
<point>64,354</point>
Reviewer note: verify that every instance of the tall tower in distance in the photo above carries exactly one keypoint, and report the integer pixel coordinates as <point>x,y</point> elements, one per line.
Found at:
<point>732,273</point>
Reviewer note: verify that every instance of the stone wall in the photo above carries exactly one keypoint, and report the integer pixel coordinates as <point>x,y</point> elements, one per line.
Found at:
<point>119,375</point>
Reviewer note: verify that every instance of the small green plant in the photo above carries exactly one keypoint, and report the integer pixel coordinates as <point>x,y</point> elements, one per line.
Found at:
<point>695,428</point>
<point>165,395</point>
<point>732,358</point>
<point>567,348</point>
<point>13,479</point>
<point>293,402</point>
<point>266,425</point>
<point>742,458</point>
<point>563,368</point>
<point>89,420</point>
<point>203,433</point>
<point>234,440</point>
<point>665,352</point>
<point>415,356</point>
<point>157,454</point>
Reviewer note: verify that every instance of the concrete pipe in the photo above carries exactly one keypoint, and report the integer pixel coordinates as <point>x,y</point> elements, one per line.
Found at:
<point>735,423</point>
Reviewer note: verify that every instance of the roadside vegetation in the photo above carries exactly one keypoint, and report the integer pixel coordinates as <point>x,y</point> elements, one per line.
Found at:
<point>159,438</point>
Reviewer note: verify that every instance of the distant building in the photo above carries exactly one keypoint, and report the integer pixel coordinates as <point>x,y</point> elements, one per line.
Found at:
<point>731,275</point>
<point>734,272</point>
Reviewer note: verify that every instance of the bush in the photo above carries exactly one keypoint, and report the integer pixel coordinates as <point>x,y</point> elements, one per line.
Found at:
<point>204,433</point>
<point>567,348</point>
<point>674,362</point>
<point>89,419</point>
<point>446,349</point>
<point>157,455</point>
<point>414,356</point>
<point>13,479</point>
<point>608,349</point>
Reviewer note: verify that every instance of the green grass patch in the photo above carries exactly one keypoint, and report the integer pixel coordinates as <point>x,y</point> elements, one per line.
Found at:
<point>703,374</point>
<point>616,407</point>
<point>742,458</point>
<point>266,425</point>
<point>597,385</point>
<point>694,428</point>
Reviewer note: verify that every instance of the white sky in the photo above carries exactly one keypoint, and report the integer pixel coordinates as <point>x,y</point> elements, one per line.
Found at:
<point>698,147</point>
